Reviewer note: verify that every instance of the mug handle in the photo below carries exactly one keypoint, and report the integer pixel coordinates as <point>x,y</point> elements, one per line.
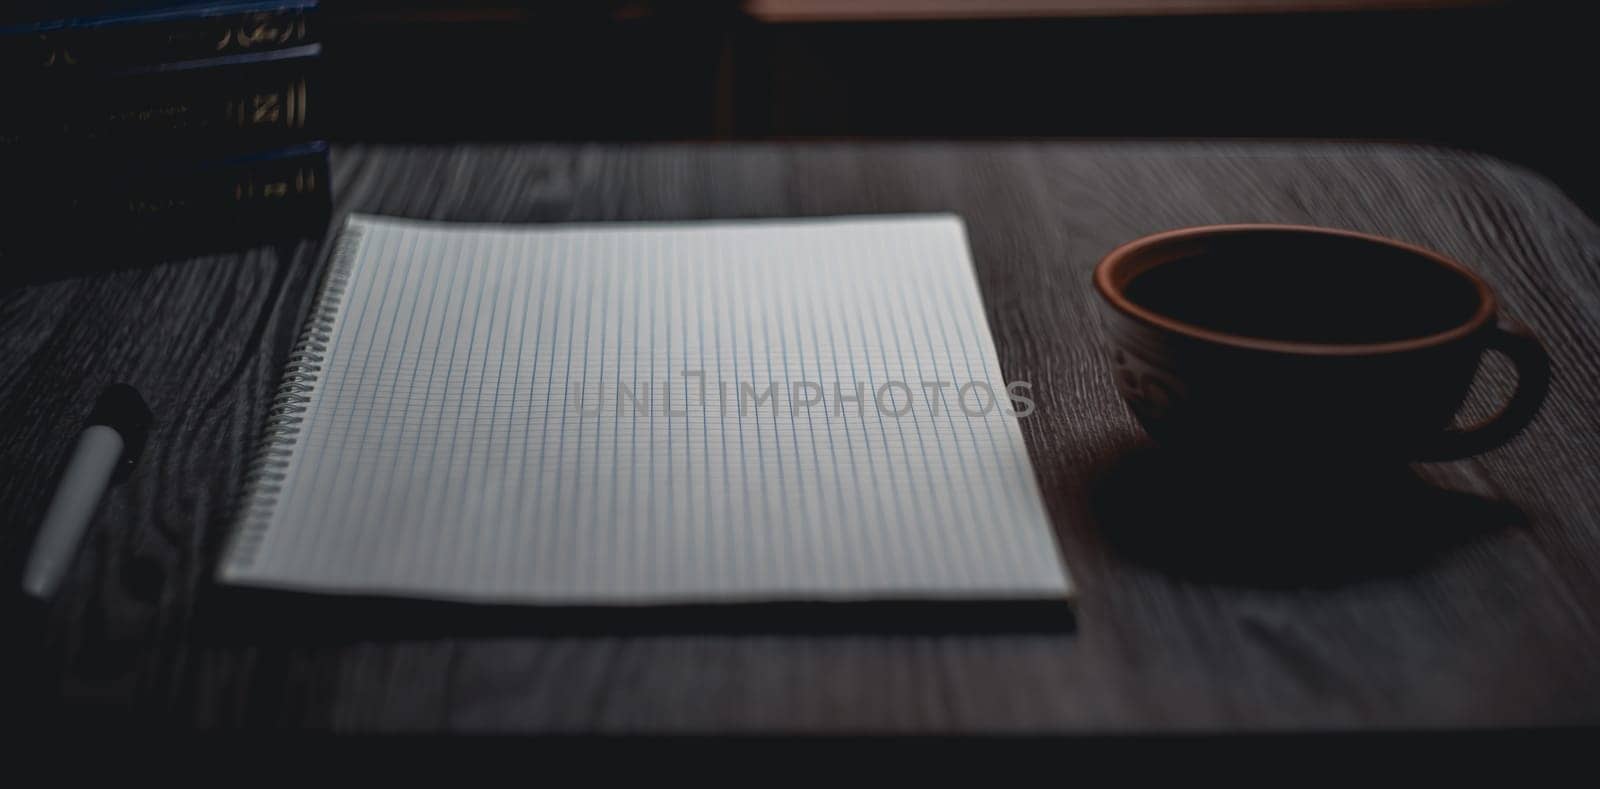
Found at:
<point>1533,382</point>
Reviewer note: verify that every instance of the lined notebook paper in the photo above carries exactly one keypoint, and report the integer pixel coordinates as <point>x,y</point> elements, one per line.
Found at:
<point>648,413</point>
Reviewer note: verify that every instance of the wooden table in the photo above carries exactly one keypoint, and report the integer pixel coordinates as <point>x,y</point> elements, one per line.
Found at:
<point>1471,597</point>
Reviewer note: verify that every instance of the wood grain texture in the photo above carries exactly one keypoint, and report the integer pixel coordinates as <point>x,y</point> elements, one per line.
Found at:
<point>1479,608</point>
<point>877,10</point>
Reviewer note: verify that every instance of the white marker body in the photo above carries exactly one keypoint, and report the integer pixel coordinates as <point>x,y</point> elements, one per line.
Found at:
<point>94,460</point>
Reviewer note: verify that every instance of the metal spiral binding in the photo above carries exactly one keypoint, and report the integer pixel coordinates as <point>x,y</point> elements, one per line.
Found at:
<point>265,473</point>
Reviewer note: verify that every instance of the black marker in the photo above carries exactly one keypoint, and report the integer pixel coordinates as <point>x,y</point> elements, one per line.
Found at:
<point>107,448</point>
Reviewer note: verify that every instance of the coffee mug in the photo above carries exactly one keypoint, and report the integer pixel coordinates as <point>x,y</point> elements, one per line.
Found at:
<point>1282,344</point>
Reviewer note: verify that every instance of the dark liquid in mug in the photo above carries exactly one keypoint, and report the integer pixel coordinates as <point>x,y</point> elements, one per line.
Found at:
<point>1335,291</point>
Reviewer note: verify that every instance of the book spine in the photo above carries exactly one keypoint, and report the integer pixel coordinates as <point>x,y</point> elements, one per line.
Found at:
<point>289,185</point>
<point>81,47</point>
<point>278,188</point>
<point>223,102</point>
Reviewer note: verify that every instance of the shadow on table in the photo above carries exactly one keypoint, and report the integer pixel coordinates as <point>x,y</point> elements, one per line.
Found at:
<point>49,254</point>
<point>257,616</point>
<point>1280,529</point>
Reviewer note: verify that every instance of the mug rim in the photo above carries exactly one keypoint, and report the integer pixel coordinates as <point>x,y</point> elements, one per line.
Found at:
<point>1118,257</point>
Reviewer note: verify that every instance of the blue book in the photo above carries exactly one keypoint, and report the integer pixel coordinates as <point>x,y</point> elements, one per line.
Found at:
<point>227,102</point>
<point>286,186</point>
<point>116,73</point>
<point>39,38</point>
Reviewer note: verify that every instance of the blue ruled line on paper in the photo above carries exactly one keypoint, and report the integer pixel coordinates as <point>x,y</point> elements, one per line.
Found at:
<point>974,314</point>
<point>393,559</point>
<point>956,559</point>
<point>856,562</point>
<point>655,264</point>
<point>982,517</point>
<point>548,529</point>
<point>515,530</point>
<point>455,548</point>
<point>874,543</point>
<point>427,462</point>
<point>576,530</point>
<point>590,535</point>
<point>711,524</point>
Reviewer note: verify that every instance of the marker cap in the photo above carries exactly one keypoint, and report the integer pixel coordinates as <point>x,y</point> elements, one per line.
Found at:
<point>122,409</point>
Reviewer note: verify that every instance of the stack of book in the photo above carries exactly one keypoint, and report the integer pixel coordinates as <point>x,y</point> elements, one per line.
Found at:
<point>155,115</point>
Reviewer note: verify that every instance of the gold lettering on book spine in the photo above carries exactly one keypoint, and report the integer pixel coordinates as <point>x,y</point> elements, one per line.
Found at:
<point>59,55</point>
<point>304,182</point>
<point>265,108</point>
<point>264,29</point>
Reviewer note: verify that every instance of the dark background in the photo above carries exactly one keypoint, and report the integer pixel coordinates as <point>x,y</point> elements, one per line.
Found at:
<point>1507,78</point>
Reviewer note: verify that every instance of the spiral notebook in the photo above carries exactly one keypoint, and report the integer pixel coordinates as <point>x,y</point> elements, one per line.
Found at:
<point>693,412</point>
